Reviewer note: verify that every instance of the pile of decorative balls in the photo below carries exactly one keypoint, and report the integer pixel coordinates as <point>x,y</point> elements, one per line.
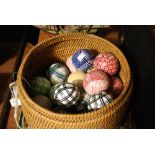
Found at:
<point>83,84</point>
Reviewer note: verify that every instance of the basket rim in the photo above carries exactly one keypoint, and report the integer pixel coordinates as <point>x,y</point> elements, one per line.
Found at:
<point>98,111</point>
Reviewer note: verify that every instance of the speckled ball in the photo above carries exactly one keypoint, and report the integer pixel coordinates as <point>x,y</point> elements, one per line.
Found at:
<point>77,78</point>
<point>116,86</point>
<point>70,65</point>
<point>57,73</point>
<point>60,110</point>
<point>95,82</point>
<point>81,107</point>
<point>107,62</point>
<point>43,101</point>
<point>82,59</point>
<point>39,86</point>
<point>99,100</point>
<point>67,95</point>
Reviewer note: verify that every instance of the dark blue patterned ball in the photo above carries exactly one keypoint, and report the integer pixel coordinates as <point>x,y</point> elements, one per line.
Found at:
<point>99,100</point>
<point>82,59</point>
<point>67,95</point>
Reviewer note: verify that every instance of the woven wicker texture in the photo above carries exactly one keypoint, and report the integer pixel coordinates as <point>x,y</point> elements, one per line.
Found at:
<point>58,49</point>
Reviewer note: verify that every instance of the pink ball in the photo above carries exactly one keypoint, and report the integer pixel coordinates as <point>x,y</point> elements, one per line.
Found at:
<point>107,62</point>
<point>70,64</point>
<point>95,82</point>
<point>116,86</point>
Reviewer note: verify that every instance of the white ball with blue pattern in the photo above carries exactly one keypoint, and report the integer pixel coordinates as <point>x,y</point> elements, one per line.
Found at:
<point>57,73</point>
<point>99,100</point>
<point>82,59</point>
<point>67,95</point>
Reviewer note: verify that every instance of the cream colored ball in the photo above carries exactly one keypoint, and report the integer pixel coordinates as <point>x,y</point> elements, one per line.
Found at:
<point>77,78</point>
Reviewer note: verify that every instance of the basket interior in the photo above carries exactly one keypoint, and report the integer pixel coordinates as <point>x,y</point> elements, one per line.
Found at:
<point>58,49</point>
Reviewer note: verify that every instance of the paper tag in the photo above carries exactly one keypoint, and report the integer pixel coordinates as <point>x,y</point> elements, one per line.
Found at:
<point>14,95</point>
<point>13,102</point>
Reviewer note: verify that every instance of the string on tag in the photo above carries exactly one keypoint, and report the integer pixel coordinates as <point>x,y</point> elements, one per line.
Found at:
<point>13,75</point>
<point>26,82</point>
<point>14,79</point>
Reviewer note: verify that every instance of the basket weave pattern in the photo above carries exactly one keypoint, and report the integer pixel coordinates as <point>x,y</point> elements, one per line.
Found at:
<point>58,49</point>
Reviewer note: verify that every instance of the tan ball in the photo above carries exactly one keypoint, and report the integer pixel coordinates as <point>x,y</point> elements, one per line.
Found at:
<point>77,78</point>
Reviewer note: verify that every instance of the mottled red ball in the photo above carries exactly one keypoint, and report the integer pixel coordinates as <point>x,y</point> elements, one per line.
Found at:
<point>95,82</point>
<point>116,86</point>
<point>107,62</point>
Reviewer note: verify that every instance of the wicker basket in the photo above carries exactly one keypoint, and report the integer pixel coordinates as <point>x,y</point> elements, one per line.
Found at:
<point>58,49</point>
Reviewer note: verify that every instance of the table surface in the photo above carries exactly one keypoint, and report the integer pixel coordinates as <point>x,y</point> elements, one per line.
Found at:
<point>7,67</point>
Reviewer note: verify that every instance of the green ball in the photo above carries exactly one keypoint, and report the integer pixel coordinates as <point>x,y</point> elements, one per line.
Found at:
<point>39,86</point>
<point>43,101</point>
<point>52,91</point>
